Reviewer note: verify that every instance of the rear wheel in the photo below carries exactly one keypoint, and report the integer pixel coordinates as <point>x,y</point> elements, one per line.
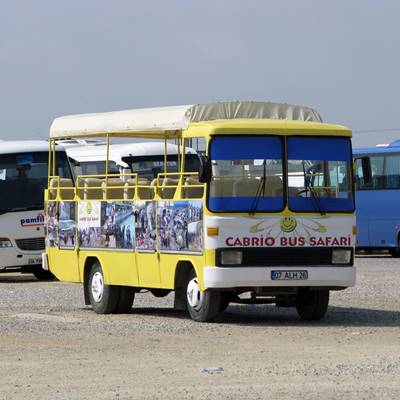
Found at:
<point>312,306</point>
<point>126,298</point>
<point>202,306</point>
<point>103,298</point>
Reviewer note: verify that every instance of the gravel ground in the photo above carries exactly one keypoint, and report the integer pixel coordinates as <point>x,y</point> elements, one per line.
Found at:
<point>54,347</point>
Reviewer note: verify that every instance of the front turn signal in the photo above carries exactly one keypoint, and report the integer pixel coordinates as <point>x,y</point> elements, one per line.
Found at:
<point>211,231</point>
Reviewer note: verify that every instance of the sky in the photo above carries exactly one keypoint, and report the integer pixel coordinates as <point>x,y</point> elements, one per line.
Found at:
<point>75,56</point>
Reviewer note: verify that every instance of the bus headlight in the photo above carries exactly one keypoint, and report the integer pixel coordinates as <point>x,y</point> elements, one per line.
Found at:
<point>5,242</point>
<point>231,257</point>
<point>341,256</point>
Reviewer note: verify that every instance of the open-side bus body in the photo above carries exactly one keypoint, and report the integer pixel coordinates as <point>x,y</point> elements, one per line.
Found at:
<point>378,198</point>
<point>23,179</point>
<point>268,218</point>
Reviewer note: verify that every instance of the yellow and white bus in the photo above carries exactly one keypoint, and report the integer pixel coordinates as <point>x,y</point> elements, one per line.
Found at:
<point>268,218</point>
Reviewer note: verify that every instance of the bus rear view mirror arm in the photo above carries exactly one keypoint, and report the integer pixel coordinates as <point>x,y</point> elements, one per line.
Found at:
<point>204,169</point>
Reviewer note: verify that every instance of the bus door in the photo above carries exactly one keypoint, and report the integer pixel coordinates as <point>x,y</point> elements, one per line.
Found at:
<point>364,205</point>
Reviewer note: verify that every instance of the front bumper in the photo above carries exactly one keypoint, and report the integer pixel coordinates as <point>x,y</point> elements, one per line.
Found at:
<point>235,277</point>
<point>11,258</point>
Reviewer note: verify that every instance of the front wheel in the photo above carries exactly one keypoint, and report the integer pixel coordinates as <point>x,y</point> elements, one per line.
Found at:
<point>202,306</point>
<point>312,306</point>
<point>103,298</point>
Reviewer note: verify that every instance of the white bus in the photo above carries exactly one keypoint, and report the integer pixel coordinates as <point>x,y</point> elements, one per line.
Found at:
<point>23,178</point>
<point>144,158</point>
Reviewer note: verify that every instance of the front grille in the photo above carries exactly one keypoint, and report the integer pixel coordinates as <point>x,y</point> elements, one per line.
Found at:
<point>283,256</point>
<point>31,244</point>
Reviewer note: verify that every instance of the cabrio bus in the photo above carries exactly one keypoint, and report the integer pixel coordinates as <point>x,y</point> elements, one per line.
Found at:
<point>378,198</point>
<point>23,179</point>
<point>267,218</point>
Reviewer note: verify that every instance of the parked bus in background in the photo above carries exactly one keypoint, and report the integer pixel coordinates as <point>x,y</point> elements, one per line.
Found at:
<point>144,158</point>
<point>23,178</point>
<point>268,218</point>
<point>378,198</point>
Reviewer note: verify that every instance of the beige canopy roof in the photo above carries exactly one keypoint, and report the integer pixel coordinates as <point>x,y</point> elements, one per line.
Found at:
<point>166,121</point>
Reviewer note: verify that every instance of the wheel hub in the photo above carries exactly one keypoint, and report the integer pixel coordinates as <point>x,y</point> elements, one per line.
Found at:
<point>194,294</point>
<point>97,287</point>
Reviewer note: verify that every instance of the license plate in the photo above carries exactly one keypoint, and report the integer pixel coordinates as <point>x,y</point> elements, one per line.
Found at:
<point>289,275</point>
<point>34,261</point>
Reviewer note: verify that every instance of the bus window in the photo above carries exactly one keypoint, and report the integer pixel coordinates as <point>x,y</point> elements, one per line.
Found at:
<point>392,171</point>
<point>378,178</point>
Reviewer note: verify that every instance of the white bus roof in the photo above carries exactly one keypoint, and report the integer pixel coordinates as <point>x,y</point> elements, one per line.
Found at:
<point>165,121</point>
<point>79,142</point>
<point>24,146</point>
<point>117,151</point>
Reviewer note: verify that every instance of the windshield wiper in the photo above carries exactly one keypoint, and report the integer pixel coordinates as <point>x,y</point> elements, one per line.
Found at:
<point>260,190</point>
<point>310,188</point>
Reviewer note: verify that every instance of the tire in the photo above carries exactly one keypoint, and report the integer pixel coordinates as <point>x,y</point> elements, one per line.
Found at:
<point>43,275</point>
<point>103,298</point>
<point>395,251</point>
<point>125,301</point>
<point>202,306</point>
<point>312,306</point>
<point>224,301</point>
<point>160,292</point>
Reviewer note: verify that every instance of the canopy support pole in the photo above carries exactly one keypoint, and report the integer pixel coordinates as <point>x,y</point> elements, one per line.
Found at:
<point>107,156</point>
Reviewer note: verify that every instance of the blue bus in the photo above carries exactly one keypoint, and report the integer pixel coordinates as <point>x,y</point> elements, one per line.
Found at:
<point>378,197</point>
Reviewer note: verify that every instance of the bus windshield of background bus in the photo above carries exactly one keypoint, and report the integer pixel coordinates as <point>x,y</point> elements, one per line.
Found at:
<point>246,174</point>
<point>94,167</point>
<point>319,174</point>
<point>23,178</point>
<point>149,166</point>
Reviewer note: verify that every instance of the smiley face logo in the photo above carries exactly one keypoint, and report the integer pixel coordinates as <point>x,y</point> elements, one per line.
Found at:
<point>288,224</point>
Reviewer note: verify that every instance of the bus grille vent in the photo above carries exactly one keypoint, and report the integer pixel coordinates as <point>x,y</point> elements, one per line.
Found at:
<point>31,244</point>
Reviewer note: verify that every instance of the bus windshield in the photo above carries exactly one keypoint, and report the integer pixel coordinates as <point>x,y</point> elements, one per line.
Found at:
<point>246,174</point>
<point>149,166</point>
<point>23,178</point>
<point>319,174</point>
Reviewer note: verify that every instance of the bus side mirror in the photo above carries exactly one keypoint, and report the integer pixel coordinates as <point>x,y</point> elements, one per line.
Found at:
<point>366,169</point>
<point>204,169</point>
